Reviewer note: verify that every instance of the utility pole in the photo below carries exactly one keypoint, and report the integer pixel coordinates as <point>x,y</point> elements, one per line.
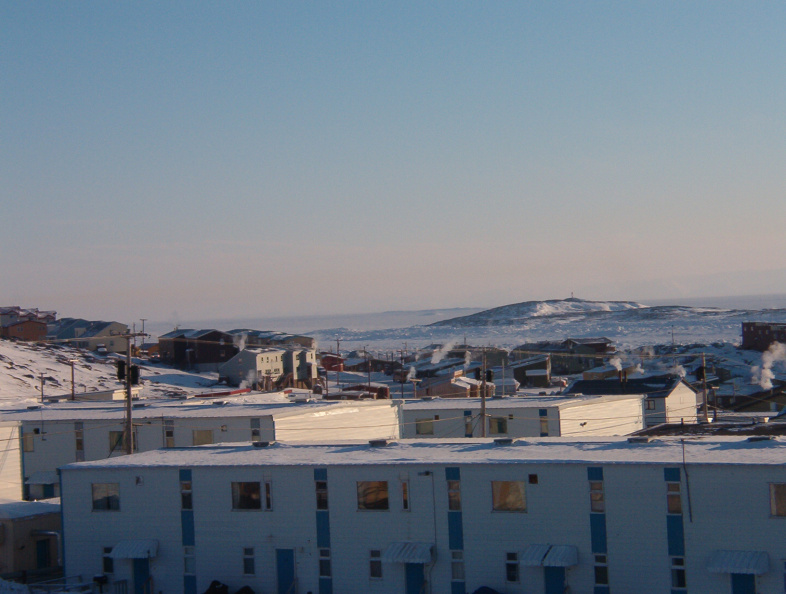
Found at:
<point>483,395</point>
<point>129,429</point>
<point>42,388</point>
<point>704,387</point>
<point>73,389</point>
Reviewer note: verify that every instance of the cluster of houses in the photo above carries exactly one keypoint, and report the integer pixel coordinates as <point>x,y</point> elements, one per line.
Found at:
<point>613,484</point>
<point>25,324</point>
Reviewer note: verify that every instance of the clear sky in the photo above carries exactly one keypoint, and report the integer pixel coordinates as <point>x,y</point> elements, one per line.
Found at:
<point>225,159</point>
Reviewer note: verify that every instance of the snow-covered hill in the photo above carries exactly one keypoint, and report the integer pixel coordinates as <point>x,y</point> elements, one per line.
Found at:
<point>22,366</point>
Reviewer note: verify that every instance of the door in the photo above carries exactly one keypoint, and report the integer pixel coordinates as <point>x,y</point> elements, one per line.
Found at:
<point>743,583</point>
<point>415,578</point>
<point>141,576</point>
<point>285,571</point>
<point>43,556</point>
<point>554,577</point>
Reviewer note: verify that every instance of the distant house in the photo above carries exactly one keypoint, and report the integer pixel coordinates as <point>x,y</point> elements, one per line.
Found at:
<point>13,314</point>
<point>202,350</point>
<point>454,386</point>
<point>332,362</point>
<point>27,330</point>
<point>667,399</point>
<point>89,335</point>
<point>257,368</point>
<point>758,336</point>
<point>248,337</point>
<point>533,372</point>
<point>29,537</point>
<point>571,356</point>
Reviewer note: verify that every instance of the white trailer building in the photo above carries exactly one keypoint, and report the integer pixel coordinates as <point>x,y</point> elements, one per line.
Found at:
<point>544,515</point>
<point>51,435</point>
<point>528,416</point>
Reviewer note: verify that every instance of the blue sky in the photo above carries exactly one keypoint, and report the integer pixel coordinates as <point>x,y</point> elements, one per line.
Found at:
<point>194,159</point>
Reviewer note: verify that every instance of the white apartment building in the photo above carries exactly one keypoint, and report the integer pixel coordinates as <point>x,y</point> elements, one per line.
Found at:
<point>550,515</point>
<point>42,438</point>
<point>525,416</point>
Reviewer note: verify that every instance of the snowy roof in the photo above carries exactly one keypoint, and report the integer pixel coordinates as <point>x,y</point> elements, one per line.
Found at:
<point>607,450</point>
<point>245,406</point>
<point>11,509</point>
<point>514,402</point>
<point>653,387</point>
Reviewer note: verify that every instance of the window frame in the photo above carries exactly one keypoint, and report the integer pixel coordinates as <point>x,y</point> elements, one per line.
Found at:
<point>245,497</point>
<point>373,496</point>
<point>375,564</point>
<point>597,497</point>
<point>424,426</point>
<point>249,561</point>
<point>321,492</point>
<point>512,568</point>
<point>498,425</point>
<point>109,493</point>
<point>500,503</point>
<point>325,565</point>
<point>195,432</point>
<point>777,509</point>
<point>454,495</point>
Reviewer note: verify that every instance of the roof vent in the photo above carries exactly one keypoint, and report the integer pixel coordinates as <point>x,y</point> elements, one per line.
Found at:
<point>761,438</point>
<point>219,402</point>
<point>34,407</point>
<point>427,398</point>
<point>639,439</point>
<point>503,441</point>
<point>262,444</point>
<point>378,443</point>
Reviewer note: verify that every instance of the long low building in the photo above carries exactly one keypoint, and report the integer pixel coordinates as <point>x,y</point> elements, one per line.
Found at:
<point>541,515</point>
<point>47,436</point>
<point>525,416</point>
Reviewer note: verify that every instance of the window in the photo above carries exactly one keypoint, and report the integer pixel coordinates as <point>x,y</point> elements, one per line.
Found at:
<point>454,495</point>
<point>457,565</point>
<point>248,561</point>
<point>424,427</point>
<point>322,494</point>
<point>650,404</point>
<point>108,564</point>
<point>246,496</point>
<point>268,495</point>
<point>778,499</point>
<point>117,442</point>
<point>202,436</point>
<point>375,564</point>
<point>186,500</point>
<point>678,572</point>
<point>601,570</point>
<point>544,427</point>
<point>28,445</point>
<point>106,497</point>
<point>79,439</point>
<point>256,431</point>
<point>169,434</point>
<point>467,426</point>
<point>189,561</point>
<point>511,567</point>
<point>405,495</point>
<point>533,479</point>
<point>597,499</point>
<point>673,499</point>
<point>498,426</point>
<point>508,496</point>
<point>324,563</point>
<point>372,495</point>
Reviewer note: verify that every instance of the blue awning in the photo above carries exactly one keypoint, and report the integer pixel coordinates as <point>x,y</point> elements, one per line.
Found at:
<point>750,562</point>
<point>533,555</point>
<point>561,556</point>
<point>134,549</point>
<point>407,552</point>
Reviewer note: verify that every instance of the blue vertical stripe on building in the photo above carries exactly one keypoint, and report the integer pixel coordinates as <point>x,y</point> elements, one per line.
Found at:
<point>598,533</point>
<point>189,584</point>
<point>601,590</point>
<point>594,473</point>
<point>325,585</point>
<point>323,529</point>
<point>187,527</point>
<point>675,534</point>
<point>455,531</point>
<point>185,474</point>
<point>458,588</point>
<point>543,412</point>
<point>320,474</point>
<point>671,475</point>
<point>453,473</point>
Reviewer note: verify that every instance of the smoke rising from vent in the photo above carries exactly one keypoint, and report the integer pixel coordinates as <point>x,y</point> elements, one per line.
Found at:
<point>240,341</point>
<point>442,352</point>
<point>763,374</point>
<point>616,363</point>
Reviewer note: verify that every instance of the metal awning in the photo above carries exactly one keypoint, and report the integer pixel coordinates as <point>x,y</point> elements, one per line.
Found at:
<point>750,562</point>
<point>533,555</point>
<point>134,549</point>
<point>43,477</point>
<point>561,556</point>
<point>407,552</point>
